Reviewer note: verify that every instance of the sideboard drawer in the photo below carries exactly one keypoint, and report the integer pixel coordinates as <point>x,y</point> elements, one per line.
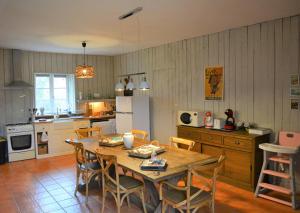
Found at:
<point>212,138</point>
<point>238,143</point>
<point>190,134</point>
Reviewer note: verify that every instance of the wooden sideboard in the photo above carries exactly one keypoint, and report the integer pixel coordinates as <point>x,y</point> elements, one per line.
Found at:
<point>243,157</point>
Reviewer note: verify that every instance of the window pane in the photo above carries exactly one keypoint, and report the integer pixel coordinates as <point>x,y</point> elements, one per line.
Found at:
<point>42,82</point>
<point>43,99</point>
<point>43,94</point>
<point>59,82</point>
<point>60,94</point>
<point>61,105</point>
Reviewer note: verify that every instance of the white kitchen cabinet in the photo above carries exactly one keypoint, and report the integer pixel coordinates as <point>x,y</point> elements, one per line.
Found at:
<point>58,132</point>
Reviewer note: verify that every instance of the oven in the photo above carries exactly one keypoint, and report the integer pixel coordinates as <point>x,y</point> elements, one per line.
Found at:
<point>20,142</point>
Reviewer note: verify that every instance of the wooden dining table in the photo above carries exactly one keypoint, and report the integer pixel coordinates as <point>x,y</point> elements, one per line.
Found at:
<point>177,160</point>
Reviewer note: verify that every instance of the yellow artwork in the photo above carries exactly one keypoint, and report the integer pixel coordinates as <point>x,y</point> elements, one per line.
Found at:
<point>214,83</point>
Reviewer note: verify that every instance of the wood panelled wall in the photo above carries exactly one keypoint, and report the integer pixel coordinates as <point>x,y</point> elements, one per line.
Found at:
<point>257,60</point>
<point>40,62</point>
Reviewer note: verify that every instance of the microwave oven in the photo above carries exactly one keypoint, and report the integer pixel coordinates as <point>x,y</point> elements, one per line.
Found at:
<point>190,118</point>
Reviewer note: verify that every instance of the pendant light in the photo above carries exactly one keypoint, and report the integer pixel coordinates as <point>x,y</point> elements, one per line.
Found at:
<point>144,84</point>
<point>84,71</point>
<point>119,86</point>
<point>130,85</point>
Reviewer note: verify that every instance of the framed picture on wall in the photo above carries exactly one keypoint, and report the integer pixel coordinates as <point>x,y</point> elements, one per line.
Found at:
<point>294,104</point>
<point>214,83</point>
<point>294,80</point>
<point>295,92</point>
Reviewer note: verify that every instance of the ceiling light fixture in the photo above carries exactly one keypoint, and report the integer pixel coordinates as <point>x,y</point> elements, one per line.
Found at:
<point>119,86</point>
<point>144,84</point>
<point>84,71</point>
<point>129,81</point>
<point>130,85</point>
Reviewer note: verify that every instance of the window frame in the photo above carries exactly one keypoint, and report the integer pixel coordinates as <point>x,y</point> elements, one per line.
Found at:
<point>70,97</point>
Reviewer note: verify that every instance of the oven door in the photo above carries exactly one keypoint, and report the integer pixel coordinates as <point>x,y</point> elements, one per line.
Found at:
<point>20,142</point>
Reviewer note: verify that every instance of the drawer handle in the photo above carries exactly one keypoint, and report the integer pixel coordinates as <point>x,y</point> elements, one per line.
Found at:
<point>237,142</point>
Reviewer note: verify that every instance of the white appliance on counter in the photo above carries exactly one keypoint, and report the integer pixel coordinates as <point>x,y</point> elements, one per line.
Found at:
<point>190,118</point>
<point>20,141</point>
<point>132,112</point>
<point>108,127</point>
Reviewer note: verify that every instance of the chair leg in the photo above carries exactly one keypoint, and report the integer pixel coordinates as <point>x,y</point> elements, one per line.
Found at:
<point>128,201</point>
<point>77,181</point>
<point>212,204</point>
<point>261,176</point>
<point>87,180</point>
<point>163,206</point>
<point>292,182</point>
<point>118,203</point>
<point>99,180</point>
<point>103,199</point>
<point>143,201</point>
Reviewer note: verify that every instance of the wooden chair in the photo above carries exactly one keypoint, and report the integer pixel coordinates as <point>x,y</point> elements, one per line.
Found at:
<point>87,169</point>
<point>141,134</point>
<point>88,132</point>
<point>121,186</point>
<point>190,198</point>
<point>182,142</point>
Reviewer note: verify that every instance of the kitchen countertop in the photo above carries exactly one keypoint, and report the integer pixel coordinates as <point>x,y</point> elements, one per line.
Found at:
<point>74,118</point>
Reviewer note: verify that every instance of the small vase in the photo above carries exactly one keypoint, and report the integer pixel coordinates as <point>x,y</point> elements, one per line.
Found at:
<point>128,140</point>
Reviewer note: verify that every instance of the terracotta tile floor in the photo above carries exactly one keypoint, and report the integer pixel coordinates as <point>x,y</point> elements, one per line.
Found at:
<point>47,185</point>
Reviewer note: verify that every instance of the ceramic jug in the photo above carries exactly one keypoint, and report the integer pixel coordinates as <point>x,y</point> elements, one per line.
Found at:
<point>128,140</point>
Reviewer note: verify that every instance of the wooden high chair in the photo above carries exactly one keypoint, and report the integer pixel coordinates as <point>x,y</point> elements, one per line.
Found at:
<point>281,154</point>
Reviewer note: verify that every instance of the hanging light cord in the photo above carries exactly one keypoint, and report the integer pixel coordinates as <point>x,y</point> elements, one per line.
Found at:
<point>84,45</point>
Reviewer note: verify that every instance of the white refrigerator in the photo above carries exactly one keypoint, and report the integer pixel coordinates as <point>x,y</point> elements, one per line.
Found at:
<point>132,112</point>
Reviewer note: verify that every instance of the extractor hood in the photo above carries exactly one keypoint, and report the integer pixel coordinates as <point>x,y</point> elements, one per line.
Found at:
<point>16,73</point>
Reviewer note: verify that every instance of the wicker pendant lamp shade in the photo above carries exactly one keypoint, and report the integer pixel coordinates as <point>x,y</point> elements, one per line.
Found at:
<point>84,71</point>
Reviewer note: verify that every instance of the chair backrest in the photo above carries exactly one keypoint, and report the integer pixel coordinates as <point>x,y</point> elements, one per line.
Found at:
<point>141,134</point>
<point>79,153</point>
<point>291,139</point>
<point>106,162</point>
<point>88,132</point>
<point>183,142</point>
<point>209,184</point>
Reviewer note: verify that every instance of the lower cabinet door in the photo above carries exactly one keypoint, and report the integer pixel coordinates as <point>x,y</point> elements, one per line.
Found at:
<point>238,165</point>
<point>58,144</point>
<point>213,151</point>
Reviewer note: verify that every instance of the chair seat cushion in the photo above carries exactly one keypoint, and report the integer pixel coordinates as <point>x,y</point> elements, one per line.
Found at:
<point>92,157</point>
<point>177,196</point>
<point>91,165</point>
<point>127,182</point>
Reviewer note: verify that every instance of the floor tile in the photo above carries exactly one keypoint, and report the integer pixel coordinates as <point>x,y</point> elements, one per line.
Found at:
<point>68,202</point>
<point>51,207</point>
<point>63,196</point>
<point>45,201</point>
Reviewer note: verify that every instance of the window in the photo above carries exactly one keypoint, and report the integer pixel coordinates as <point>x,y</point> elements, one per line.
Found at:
<point>55,92</point>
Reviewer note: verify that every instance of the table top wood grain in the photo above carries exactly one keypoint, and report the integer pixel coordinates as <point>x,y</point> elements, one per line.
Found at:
<point>177,159</point>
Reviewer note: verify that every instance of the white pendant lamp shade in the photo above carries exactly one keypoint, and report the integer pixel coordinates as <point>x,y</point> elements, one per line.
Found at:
<point>130,85</point>
<point>144,85</point>
<point>119,86</point>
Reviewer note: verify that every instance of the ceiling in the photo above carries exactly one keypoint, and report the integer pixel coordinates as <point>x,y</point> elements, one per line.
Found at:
<point>61,25</point>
